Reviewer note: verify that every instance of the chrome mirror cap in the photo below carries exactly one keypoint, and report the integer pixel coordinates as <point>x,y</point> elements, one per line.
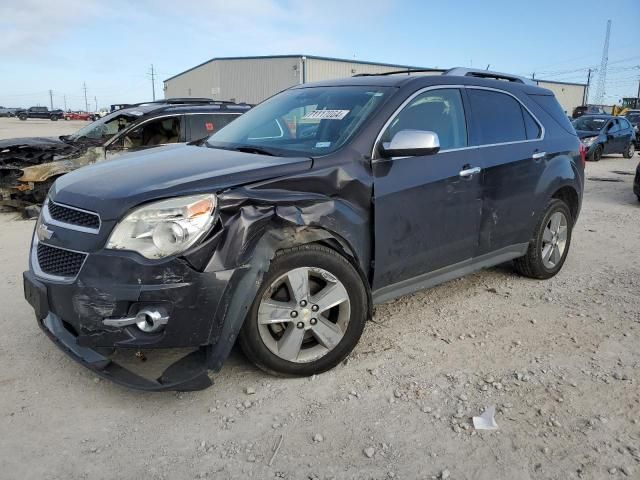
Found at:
<point>412,143</point>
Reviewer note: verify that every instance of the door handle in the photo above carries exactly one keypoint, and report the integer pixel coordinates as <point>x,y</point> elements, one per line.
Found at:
<point>469,172</point>
<point>539,155</point>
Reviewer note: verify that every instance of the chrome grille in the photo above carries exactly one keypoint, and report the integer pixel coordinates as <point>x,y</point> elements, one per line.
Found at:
<point>73,216</point>
<point>58,262</point>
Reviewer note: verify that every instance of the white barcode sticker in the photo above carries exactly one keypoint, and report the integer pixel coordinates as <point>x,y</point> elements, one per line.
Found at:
<point>326,115</point>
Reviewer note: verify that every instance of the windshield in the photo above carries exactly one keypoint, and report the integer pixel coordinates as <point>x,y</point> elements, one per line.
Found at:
<point>106,127</point>
<point>589,123</point>
<point>309,121</point>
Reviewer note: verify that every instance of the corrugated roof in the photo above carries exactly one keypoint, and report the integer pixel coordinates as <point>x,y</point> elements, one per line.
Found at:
<point>346,60</point>
<point>266,57</point>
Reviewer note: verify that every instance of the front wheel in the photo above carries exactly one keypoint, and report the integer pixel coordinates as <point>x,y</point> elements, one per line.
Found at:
<point>308,314</point>
<point>597,153</point>
<point>54,118</point>
<point>629,151</point>
<point>22,117</point>
<point>550,243</point>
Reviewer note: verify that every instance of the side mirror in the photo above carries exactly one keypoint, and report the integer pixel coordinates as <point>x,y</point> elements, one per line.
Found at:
<point>411,143</point>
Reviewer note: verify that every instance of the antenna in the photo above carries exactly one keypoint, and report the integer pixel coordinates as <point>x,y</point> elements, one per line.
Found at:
<point>602,78</point>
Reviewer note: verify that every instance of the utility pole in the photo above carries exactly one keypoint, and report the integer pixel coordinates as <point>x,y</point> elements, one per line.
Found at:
<point>65,102</point>
<point>96,100</point>
<point>86,103</point>
<point>153,83</point>
<point>51,98</point>
<point>585,97</point>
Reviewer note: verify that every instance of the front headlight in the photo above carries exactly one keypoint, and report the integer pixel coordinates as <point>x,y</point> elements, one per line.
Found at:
<point>164,228</point>
<point>588,141</point>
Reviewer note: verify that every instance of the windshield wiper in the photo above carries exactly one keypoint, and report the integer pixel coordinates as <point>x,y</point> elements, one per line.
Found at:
<point>252,149</point>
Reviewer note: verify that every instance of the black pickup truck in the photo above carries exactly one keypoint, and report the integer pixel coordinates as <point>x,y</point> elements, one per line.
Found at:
<point>40,112</point>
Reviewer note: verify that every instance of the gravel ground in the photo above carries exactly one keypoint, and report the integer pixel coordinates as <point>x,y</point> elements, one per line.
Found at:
<point>558,358</point>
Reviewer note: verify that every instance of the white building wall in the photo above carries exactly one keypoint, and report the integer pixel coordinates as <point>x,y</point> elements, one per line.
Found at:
<point>569,96</point>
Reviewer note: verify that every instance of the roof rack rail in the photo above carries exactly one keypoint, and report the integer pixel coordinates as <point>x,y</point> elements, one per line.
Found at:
<point>470,72</point>
<point>407,71</point>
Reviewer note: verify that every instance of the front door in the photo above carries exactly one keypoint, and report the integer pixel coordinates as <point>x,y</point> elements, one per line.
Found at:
<point>427,208</point>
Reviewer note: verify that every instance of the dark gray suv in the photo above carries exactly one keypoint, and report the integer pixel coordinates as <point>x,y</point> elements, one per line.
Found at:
<point>288,225</point>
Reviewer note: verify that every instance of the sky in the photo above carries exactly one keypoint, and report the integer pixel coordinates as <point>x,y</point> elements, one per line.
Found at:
<point>110,45</point>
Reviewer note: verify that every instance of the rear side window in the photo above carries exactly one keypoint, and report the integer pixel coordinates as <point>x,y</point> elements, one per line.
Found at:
<point>533,129</point>
<point>498,117</point>
<point>550,105</point>
<point>204,125</point>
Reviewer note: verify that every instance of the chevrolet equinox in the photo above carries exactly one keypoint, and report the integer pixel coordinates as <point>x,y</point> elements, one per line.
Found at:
<point>287,226</point>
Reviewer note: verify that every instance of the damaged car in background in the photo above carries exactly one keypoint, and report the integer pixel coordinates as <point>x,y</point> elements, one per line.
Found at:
<point>29,166</point>
<point>285,227</point>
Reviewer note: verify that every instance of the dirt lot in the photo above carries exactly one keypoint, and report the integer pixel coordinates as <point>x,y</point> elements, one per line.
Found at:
<point>559,359</point>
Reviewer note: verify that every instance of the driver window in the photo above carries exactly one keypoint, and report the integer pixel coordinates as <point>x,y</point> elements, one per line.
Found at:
<point>160,131</point>
<point>613,126</point>
<point>439,111</point>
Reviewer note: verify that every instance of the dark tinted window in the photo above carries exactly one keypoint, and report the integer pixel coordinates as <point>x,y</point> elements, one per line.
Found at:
<point>550,105</point>
<point>204,125</point>
<point>533,129</point>
<point>613,126</point>
<point>159,131</point>
<point>498,117</point>
<point>439,111</point>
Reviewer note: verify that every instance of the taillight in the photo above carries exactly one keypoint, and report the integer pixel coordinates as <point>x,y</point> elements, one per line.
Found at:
<point>583,155</point>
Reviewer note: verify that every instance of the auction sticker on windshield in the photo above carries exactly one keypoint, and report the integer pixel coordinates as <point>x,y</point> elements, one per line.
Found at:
<point>326,115</point>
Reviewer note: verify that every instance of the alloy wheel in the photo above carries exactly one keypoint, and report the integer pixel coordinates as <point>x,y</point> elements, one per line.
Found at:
<point>304,314</point>
<point>554,240</point>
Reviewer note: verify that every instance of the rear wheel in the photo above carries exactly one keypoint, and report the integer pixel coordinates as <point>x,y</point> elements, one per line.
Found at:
<point>308,314</point>
<point>550,243</point>
<point>629,151</point>
<point>54,118</point>
<point>597,153</point>
<point>22,117</point>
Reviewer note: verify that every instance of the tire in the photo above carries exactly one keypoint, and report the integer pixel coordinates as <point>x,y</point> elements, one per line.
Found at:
<point>533,264</point>
<point>22,117</point>
<point>261,340</point>
<point>629,151</point>
<point>597,154</point>
<point>54,118</point>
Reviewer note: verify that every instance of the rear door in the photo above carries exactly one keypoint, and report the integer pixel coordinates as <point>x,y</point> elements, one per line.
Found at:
<point>511,147</point>
<point>203,125</point>
<point>426,208</point>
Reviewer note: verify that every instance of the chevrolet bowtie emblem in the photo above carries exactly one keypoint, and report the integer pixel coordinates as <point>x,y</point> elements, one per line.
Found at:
<point>44,233</point>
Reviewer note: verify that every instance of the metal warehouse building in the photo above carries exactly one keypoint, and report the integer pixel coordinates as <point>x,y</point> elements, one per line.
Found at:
<point>252,79</point>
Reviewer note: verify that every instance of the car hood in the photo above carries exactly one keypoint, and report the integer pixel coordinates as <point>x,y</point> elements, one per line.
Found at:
<point>34,150</point>
<point>112,188</point>
<point>587,133</point>
<point>44,142</point>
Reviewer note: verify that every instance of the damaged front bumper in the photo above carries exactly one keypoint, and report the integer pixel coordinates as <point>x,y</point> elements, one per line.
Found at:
<point>73,315</point>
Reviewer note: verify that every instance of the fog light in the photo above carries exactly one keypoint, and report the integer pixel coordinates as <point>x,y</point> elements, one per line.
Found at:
<point>150,321</point>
